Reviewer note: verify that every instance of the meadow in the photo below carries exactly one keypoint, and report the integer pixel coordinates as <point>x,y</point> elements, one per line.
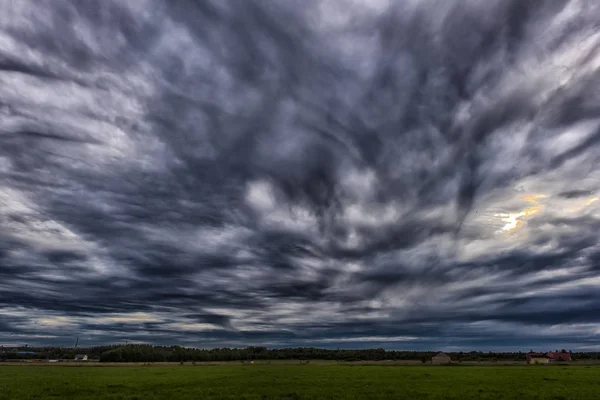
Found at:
<point>307,381</point>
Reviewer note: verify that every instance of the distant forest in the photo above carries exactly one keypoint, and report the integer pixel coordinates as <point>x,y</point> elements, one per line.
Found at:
<point>149,353</point>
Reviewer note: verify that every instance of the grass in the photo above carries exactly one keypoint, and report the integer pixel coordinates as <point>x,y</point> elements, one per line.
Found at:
<point>300,382</point>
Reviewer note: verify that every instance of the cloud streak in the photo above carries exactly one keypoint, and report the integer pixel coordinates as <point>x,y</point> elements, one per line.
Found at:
<point>342,173</point>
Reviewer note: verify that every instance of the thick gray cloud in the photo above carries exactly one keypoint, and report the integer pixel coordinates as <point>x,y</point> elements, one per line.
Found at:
<point>345,173</point>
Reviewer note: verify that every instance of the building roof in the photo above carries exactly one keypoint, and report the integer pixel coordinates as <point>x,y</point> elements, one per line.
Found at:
<point>559,356</point>
<point>440,354</point>
<point>551,355</point>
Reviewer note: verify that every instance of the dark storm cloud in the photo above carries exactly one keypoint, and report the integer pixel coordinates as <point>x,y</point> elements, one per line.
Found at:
<point>570,194</point>
<point>212,173</point>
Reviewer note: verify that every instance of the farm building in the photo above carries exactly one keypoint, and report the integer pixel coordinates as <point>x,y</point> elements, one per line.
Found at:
<point>545,358</point>
<point>558,356</point>
<point>537,358</point>
<point>441,358</point>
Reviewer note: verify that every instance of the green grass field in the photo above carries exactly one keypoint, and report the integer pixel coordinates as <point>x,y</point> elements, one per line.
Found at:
<point>300,382</point>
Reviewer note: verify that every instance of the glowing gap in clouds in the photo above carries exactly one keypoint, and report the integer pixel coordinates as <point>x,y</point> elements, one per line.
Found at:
<point>513,220</point>
<point>591,201</point>
<point>583,205</point>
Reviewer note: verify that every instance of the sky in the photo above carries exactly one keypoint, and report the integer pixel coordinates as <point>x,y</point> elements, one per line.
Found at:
<point>407,174</point>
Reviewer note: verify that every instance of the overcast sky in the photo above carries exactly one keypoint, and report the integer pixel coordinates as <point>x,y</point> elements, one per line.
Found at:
<point>404,174</point>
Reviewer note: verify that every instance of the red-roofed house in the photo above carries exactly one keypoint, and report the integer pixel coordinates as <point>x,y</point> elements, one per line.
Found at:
<point>557,356</point>
<point>545,358</point>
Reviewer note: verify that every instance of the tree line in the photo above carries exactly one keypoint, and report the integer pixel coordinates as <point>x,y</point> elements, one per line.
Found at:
<point>150,353</point>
